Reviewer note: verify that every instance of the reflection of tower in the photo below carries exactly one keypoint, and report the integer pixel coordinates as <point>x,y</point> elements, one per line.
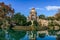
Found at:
<point>33,15</point>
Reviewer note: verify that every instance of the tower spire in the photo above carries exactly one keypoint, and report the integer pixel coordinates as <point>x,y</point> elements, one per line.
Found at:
<point>33,14</point>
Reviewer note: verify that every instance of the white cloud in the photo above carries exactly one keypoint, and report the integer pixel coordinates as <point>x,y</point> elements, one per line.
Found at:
<point>39,8</point>
<point>52,7</point>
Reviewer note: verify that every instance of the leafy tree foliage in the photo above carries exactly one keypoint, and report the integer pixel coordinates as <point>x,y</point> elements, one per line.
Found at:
<point>41,16</point>
<point>19,19</point>
<point>57,16</point>
<point>50,18</point>
<point>28,23</point>
<point>5,10</point>
<point>35,23</point>
<point>51,25</point>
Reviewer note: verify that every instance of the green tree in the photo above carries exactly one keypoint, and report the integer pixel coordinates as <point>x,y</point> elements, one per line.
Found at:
<point>1,23</point>
<point>35,23</point>
<point>51,25</point>
<point>57,15</point>
<point>5,12</point>
<point>41,16</point>
<point>50,18</point>
<point>19,19</point>
<point>28,23</point>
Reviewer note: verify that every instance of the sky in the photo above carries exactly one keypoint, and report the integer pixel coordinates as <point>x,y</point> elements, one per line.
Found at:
<point>46,7</point>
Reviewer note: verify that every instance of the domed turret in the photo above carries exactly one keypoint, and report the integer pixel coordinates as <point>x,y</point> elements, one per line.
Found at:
<point>33,14</point>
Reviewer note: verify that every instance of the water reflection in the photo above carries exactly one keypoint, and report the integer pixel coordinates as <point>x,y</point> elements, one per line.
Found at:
<point>20,35</point>
<point>11,35</point>
<point>16,34</point>
<point>2,35</point>
<point>46,38</point>
<point>25,37</point>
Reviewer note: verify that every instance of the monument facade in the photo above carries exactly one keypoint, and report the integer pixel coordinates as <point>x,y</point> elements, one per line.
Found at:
<point>33,15</point>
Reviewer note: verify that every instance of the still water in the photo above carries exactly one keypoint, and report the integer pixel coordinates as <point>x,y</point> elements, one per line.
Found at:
<point>20,35</point>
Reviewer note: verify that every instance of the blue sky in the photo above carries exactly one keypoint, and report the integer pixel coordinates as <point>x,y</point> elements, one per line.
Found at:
<point>46,7</point>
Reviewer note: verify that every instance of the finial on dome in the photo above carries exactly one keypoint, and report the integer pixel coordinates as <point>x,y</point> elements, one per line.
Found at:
<point>33,8</point>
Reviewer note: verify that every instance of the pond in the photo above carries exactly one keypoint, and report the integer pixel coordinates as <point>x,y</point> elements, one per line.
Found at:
<point>20,35</point>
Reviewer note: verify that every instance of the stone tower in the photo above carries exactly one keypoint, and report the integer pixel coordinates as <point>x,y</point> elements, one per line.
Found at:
<point>33,15</point>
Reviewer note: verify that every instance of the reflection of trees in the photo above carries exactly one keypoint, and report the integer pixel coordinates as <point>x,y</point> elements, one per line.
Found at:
<point>17,34</point>
<point>2,35</point>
